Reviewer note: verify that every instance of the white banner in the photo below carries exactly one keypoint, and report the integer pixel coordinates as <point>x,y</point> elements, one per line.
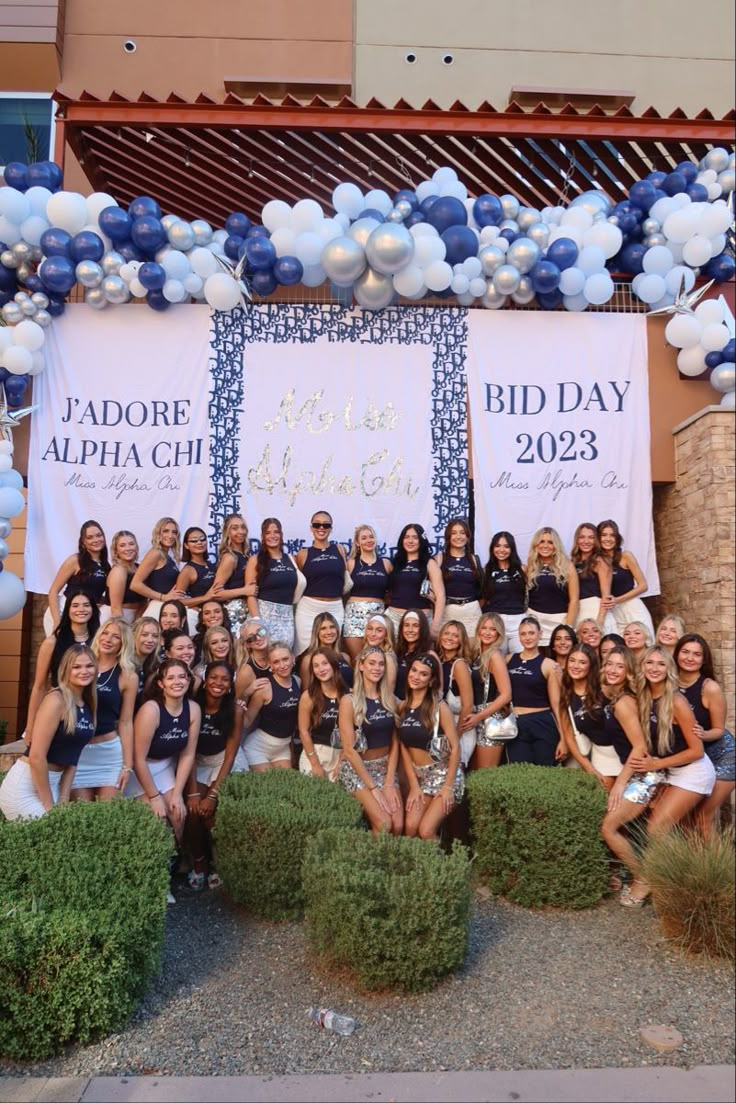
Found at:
<point>559,412</point>
<point>121,434</point>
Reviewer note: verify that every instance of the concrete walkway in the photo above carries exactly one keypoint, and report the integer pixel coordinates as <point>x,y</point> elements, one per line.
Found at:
<point>703,1084</point>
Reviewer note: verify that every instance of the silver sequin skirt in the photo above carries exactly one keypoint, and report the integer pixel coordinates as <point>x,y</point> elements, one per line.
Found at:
<point>722,753</point>
<point>376,768</point>
<point>640,788</point>
<point>357,615</point>
<point>237,610</point>
<point>279,620</point>
<point>431,778</point>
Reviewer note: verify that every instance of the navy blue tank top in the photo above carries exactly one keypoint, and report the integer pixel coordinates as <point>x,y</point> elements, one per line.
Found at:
<point>236,581</point>
<point>677,740</point>
<point>614,733</point>
<point>478,682</point>
<point>694,697</point>
<point>163,579</point>
<point>622,581</point>
<point>93,584</point>
<point>109,701</point>
<point>205,573</point>
<point>589,584</point>
<point>461,583</point>
<point>449,684</point>
<point>66,747</point>
<point>279,581</point>
<point>278,717</point>
<point>528,683</point>
<point>506,591</point>
<point>130,597</point>
<point>212,733</point>
<point>171,734</point>
<point>324,571</point>
<point>412,733</point>
<point>346,672</point>
<point>370,580</point>
<point>378,725</point>
<point>589,721</point>
<point>259,671</point>
<point>322,731</point>
<point>546,594</point>
<point>406,584</point>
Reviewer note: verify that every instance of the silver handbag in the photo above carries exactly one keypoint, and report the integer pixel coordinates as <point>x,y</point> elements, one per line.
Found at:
<point>360,743</point>
<point>501,726</point>
<point>439,747</point>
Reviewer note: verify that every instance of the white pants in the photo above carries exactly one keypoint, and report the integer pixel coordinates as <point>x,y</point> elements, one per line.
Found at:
<point>511,622</point>
<point>18,796</point>
<point>261,748</point>
<point>307,610</point>
<point>468,615</point>
<point>631,610</point>
<point>547,622</point>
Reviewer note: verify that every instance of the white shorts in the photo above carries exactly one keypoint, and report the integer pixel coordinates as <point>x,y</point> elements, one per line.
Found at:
<point>605,761</point>
<point>329,758</point>
<point>631,610</point>
<point>129,615</point>
<point>261,748</point>
<point>511,622</point>
<point>547,622</point>
<point>307,609</point>
<point>163,776</point>
<point>99,765</point>
<point>48,624</point>
<point>468,615</point>
<point>18,795</point>
<point>695,777</point>
<point>589,609</point>
<point>208,767</point>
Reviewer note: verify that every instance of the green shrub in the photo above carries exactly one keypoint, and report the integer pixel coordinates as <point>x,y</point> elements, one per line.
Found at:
<point>536,835</point>
<point>395,912</point>
<point>81,922</point>
<point>263,823</point>
<point>692,882</point>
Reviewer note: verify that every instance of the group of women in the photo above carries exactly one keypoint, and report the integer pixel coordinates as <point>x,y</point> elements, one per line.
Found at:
<point>388,676</point>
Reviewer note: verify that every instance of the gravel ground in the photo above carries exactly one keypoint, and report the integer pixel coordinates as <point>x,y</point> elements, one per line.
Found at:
<point>538,990</point>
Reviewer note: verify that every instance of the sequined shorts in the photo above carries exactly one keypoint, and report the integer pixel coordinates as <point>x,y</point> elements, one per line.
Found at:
<point>237,610</point>
<point>357,615</point>
<point>640,788</point>
<point>376,768</point>
<point>279,620</point>
<point>431,778</point>
<point>722,754</point>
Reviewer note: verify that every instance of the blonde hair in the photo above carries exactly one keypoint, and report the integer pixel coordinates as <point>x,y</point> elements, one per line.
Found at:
<point>126,655</point>
<point>631,684</point>
<point>156,536</point>
<point>388,644</point>
<point>225,544</point>
<point>207,656</point>
<point>357,693</point>
<point>665,709</point>
<point>644,628</point>
<point>354,546</point>
<point>464,648</point>
<point>115,558</point>
<point>676,619</point>
<point>478,654</point>
<point>89,693</point>
<point>559,565</point>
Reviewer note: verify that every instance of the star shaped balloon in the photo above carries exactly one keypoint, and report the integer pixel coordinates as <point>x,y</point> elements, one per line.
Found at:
<point>684,300</point>
<point>10,420</point>
<point>236,270</point>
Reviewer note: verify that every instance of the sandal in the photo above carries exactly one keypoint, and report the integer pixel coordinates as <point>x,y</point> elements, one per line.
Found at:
<point>628,900</point>
<point>214,881</point>
<point>615,883</point>
<point>195,880</point>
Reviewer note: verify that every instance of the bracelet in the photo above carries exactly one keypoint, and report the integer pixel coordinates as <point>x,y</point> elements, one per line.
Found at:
<point>371,788</point>
<point>311,754</point>
<point>193,796</point>
<point>213,794</point>
<point>156,794</point>
<point>125,769</point>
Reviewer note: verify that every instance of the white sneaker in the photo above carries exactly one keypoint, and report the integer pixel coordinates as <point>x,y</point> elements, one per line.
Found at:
<point>170,898</point>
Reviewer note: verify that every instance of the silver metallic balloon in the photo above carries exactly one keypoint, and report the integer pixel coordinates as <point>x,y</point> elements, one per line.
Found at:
<point>404,208</point>
<point>89,273</point>
<point>522,254</point>
<point>373,290</point>
<point>5,528</point>
<point>7,259</point>
<point>4,549</point>
<point>389,248</point>
<point>650,226</point>
<point>43,319</point>
<point>723,378</point>
<point>509,224</point>
<point>491,258</point>
<point>526,217</point>
<point>343,260</point>
<point>361,230</point>
<point>539,234</point>
<point>95,297</point>
<point>509,206</point>
<point>21,251</point>
<point>12,314</point>
<point>23,271</point>
<point>593,202</point>
<point>524,292</point>
<point>181,235</point>
<point>202,231</point>
<point>111,263</point>
<point>716,159</point>
<point>492,300</point>
<point>115,289</point>
<point>394,216</point>
<point>506,279</point>
<point>728,402</point>
<point>726,179</point>
<point>21,298</point>
<point>613,219</point>
<point>655,239</point>
<point>30,310</point>
<point>168,221</point>
<point>41,300</point>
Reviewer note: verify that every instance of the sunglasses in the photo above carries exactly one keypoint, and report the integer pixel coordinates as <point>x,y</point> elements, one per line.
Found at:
<point>256,636</point>
<point>196,539</point>
<point>321,525</point>
<point>425,660</point>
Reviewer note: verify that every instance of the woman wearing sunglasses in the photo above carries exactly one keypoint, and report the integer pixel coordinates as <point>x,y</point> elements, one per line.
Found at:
<point>252,656</point>
<point>324,566</point>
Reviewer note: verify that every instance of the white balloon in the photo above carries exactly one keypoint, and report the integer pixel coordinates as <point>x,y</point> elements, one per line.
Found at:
<point>17,359</point>
<point>592,259</point>
<point>96,203</point>
<point>12,595</point>
<point>478,287</point>
<point>650,288</point>
<point>683,331</point>
<point>715,191</point>
<point>284,241</point>
<point>691,361</point>
<point>715,337</point>
<point>67,210</point>
<point>446,174</point>
<point>193,283</point>
<point>472,267</point>
<point>6,340</point>
<point>460,283</point>
<point>275,215</point>
<point>606,237</point>
<point>14,205</point>
<point>697,251</point>
<point>709,312</point>
<point>32,229</point>
<point>38,199</point>
<point>136,288</point>
<point>438,275</point>
<point>29,335</point>
<point>221,291</point>
<point>467,299</point>
<point>456,189</point>
<point>717,244</point>
<point>176,265</point>
<point>347,199</point>
<point>551,216</point>
<point>9,231</point>
<point>330,228</point>
<point>423,229</point>
<point>174,291</point>
<point>489,234</point>
<point>728,402</point>
<point>38,363</point>
<point>313,275</point>
<point>573,232</point>
<point>308,249</point>
<point>599,288</point>
<point>203,262</point>
<point>572,281</point>
<point>6,448</point>
<point>426,188</point>
<point>577,217</point>
<point>575,303</point>
<point>305,216</point>
<point>427,250</point>
<point>715,219</point>
<point>378,200</point>
<point>657,261</point>
<point>409,280</point>
<point>220,236</point>
<point>678,274</point>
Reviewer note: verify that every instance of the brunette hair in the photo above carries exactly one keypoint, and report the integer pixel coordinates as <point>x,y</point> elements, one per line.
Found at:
<point>592,695</point>
<point>433,693</point>
<point>87,564</point>
<point>707,669</point>
<point>316,693</point>
<point>446,557</point>
<point>425,636</point>
<point>588,562</point>
<point>264,556</point>
<point>618,548</point>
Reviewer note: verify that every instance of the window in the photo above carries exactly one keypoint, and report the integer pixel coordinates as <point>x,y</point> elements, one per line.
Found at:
<point>26,127</point>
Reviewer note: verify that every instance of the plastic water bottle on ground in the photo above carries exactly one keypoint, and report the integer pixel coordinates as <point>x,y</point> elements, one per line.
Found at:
<point>330,1020</point>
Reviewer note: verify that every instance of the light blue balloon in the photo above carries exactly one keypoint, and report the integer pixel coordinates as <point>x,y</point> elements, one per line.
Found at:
<point>12,595</point>
<point>11,478</point>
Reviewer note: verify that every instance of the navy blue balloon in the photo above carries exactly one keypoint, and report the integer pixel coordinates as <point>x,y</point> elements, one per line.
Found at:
<point>713,359</point>
<point>15,389</point>
<point>263,283</point>
<point>632,256</point>
<point>674,183</point>
<point>545,277</point>
<point>144,205</point>
<point>16,175</point>
<point>152,275</point>
<point>627,222</point>
<point>55,242</point>
<point>656,178</point>
<point>698,193</point>
<point>86,245</point>
<point>425,205</point>
<point>406,195</point>
<point>7,278</point>
<point>4,374</point>
<point>258,231</point>
<point>642,194</point>
<point>56,307</point>
<point>729,352</point>
<point>461,243</point>
<point>260,253</point>
<point>156,300</point>
<point>129,251</point>
<point>237,224</point>
<point>58,274</point>
<point>414,218</point>
<point>371,212</point>
<point>550,300</point>
<point>116,223</point>
<point>34,283</point>
<point>56,173</point>
<point>720,268</point>
<point>688,170</point>
<point>445,212</point>
<point>510,235</point>
<point>5,297</point>
<point>487,210</point>
<point>148,233</point>
<point>232,245</point>
<point>288,271</point>
<point>39,175</point>
<point>563,252</point>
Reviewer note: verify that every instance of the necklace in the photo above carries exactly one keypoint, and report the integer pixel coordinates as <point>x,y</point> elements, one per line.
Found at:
<point>103,685</point>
